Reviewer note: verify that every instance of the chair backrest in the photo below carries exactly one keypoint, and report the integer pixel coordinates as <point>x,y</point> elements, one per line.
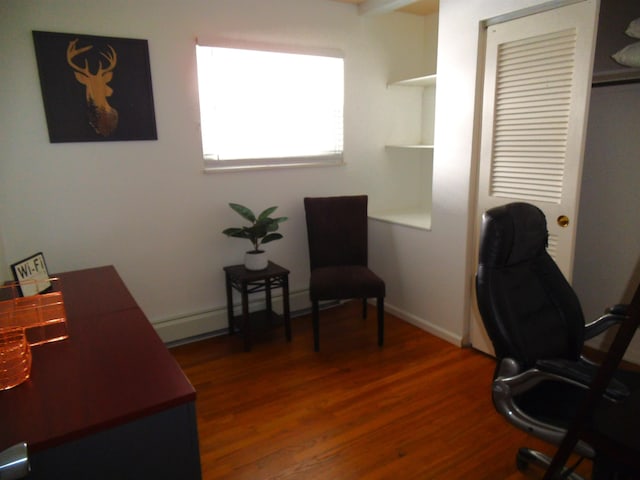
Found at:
<point>337,230</point>
<point>527,306</point>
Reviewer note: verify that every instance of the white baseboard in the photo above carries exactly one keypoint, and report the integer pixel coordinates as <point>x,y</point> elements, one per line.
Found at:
<point>425,325</point>
<point>214,322</point>
<point>199,324</point>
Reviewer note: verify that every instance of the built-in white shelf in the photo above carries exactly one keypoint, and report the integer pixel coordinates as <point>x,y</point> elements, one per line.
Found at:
<point>409,218</point>
<point>425,81</point>
<point>411,147</point>
<point>418,217</point>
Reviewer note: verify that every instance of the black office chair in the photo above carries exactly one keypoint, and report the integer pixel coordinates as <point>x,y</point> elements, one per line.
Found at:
<point>536,325</point>
<point>338,254</point>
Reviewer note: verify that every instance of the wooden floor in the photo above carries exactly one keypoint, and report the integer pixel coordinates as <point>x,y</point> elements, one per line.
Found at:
<point>417,408</point>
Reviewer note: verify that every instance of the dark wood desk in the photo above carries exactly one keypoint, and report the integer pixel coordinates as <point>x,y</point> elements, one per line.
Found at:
<point>108,402</point>
<point>249,281</point>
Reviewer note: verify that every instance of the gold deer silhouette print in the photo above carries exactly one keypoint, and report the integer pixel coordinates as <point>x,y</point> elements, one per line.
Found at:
<point>102,116</point>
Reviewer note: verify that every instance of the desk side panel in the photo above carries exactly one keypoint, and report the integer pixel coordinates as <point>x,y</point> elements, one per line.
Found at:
<point>160,446</point>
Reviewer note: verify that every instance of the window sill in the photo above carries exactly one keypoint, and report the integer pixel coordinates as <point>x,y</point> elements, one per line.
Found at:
<point>242,165</point>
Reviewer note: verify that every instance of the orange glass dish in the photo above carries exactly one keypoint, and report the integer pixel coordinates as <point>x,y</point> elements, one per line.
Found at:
<point>15,357</point>
<point>42,316</point>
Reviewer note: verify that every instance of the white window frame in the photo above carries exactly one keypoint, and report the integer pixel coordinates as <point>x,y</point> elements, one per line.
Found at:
<point>213,164</point>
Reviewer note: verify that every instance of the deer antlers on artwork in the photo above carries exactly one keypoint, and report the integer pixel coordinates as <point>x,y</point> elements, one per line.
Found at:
<point>102,116</point>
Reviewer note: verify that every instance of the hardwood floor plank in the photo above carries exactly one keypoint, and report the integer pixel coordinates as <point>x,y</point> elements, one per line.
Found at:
<point>417,408</point>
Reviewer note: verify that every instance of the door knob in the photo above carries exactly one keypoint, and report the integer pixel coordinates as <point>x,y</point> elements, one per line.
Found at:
<point>563,221</point>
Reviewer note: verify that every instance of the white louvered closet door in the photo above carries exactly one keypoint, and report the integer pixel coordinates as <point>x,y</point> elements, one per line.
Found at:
<point>537,82</point>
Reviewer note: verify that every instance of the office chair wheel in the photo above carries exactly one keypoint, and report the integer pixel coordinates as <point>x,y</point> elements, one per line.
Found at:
<point>521,464</point>
<point>527,457</point>
<point>522,460</point>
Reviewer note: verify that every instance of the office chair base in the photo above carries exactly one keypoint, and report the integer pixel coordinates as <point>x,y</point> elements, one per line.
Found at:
<point>527,457</point>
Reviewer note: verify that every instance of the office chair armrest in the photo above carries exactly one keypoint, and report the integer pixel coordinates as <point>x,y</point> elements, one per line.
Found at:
<point>504,389</point>
<point>518,382</point>
<point>613,315</point>
<point>583,372</point>
<point>618,309</point>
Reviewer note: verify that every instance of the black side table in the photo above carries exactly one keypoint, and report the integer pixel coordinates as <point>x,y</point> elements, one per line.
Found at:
<point>250,281</point>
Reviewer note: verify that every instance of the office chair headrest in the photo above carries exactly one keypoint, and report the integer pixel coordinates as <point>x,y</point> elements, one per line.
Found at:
<point>511,234</point>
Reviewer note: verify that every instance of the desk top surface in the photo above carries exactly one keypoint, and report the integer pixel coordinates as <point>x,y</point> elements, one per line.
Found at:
<point>112,369</point>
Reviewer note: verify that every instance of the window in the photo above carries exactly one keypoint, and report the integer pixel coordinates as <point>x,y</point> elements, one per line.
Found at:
<point>263,108</point>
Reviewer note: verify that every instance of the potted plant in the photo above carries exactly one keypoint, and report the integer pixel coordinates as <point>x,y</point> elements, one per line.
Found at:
<point>262,230</point>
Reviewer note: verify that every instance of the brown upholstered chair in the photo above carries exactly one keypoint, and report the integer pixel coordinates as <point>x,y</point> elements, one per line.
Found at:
<point>338,254</point>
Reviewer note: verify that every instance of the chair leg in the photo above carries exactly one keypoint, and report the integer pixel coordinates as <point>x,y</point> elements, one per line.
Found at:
<point>315,318</point>
<point>364,308</point>
<point>380,321</point>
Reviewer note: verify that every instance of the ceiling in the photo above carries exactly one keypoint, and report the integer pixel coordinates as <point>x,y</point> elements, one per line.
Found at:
<point>419,7</point>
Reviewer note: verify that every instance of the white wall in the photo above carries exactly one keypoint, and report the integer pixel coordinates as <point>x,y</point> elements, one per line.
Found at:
<point>4,268</point>
<point>435,269</point>
<point>607,265</point>
<point>146,207</point>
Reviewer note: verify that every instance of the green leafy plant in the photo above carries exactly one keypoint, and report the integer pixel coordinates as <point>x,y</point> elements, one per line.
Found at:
<point>262,229</point>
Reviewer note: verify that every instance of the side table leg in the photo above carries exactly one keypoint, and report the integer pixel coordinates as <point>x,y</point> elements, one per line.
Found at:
<point>267,287</point>
<point>229,304</point>
<point>285,307</point>
<point>246,324</point>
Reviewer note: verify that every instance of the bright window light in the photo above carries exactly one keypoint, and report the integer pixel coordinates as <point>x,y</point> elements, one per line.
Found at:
<point>264,108</point>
